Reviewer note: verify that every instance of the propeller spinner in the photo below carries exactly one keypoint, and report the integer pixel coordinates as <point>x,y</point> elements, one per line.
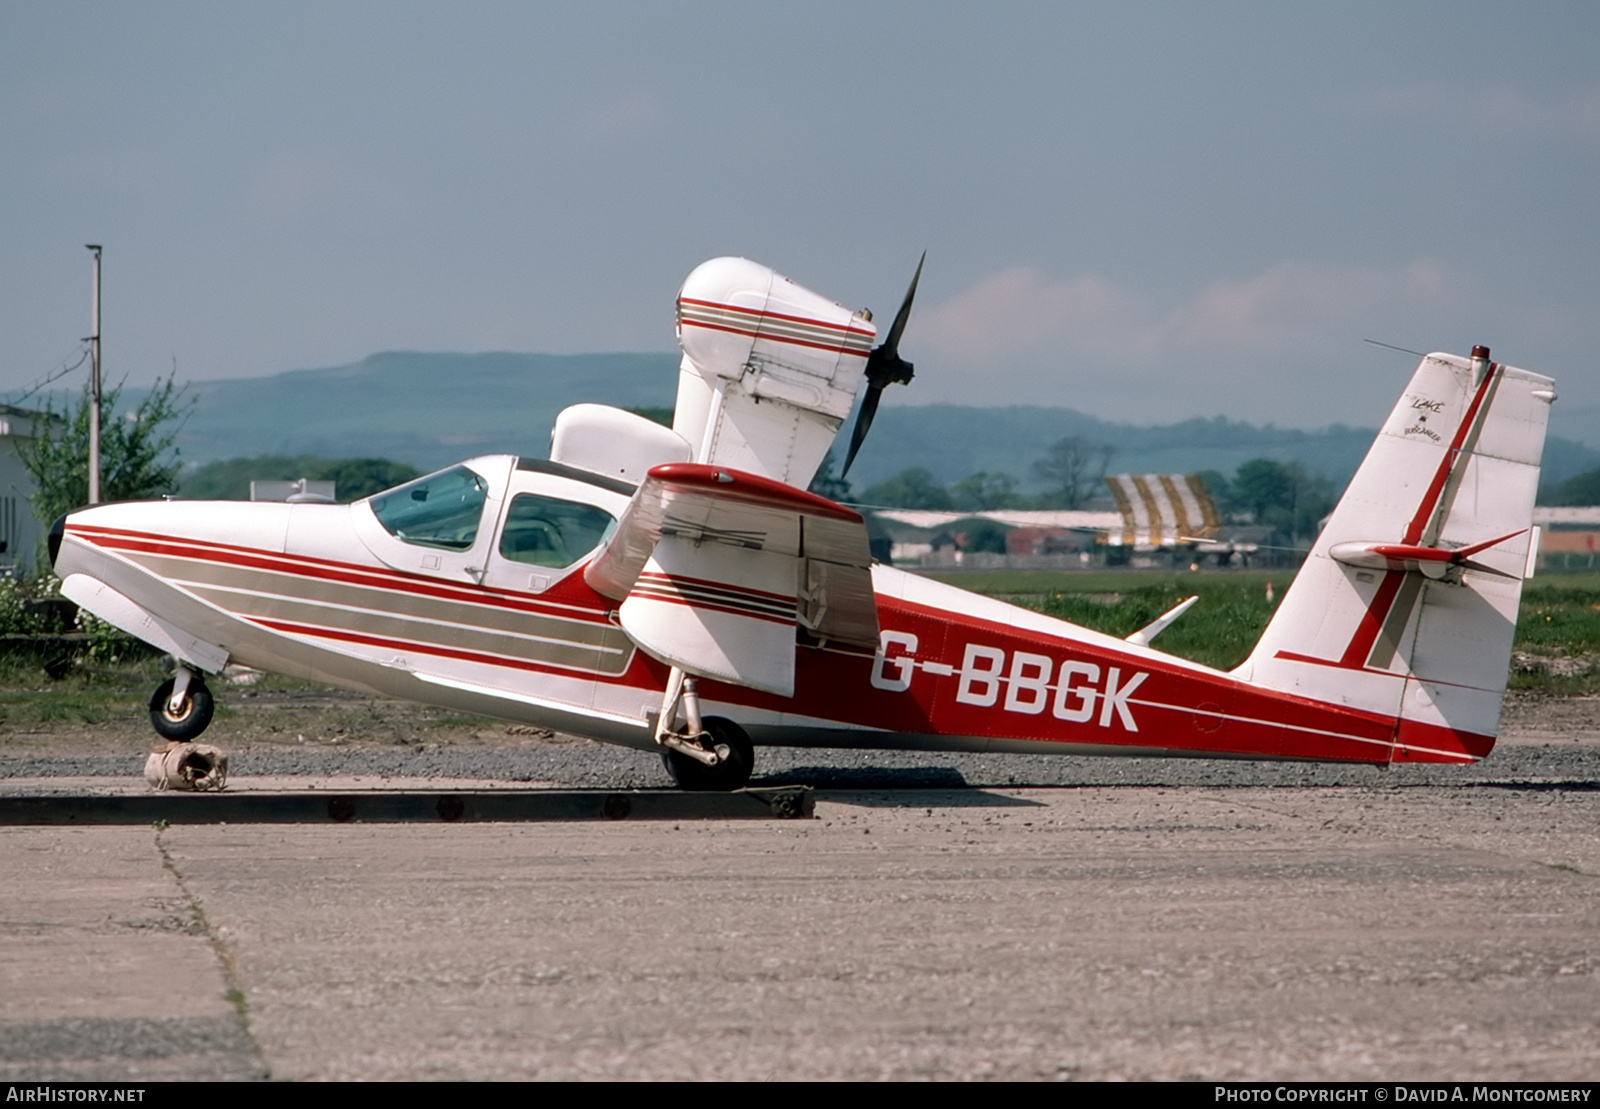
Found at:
<point>884,367</point>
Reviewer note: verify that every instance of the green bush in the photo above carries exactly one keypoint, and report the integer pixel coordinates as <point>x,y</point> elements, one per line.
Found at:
<point>21,608</point>
<point>33,606</point>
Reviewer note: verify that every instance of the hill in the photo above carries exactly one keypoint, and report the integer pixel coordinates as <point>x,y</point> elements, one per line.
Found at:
<point>424,409</point>
<point>429,410</point>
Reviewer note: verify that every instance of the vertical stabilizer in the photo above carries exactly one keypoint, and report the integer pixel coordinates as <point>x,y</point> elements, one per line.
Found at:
<point>1407,604</point>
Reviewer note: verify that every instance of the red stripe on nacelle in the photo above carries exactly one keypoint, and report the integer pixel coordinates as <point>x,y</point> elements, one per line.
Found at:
<point>832,348</point>
<point>764,314</point>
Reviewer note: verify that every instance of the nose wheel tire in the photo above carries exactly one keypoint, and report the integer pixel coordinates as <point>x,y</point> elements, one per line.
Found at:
<point>733,772</point>
<point>192,716</point>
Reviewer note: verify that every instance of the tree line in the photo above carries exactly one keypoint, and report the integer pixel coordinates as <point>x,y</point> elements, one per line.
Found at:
<point>1584,489</point>
<point>1279,496</point>
<point>1071,473</point>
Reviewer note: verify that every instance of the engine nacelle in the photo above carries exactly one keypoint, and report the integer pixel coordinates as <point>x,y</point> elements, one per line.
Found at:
<point>770,369</point>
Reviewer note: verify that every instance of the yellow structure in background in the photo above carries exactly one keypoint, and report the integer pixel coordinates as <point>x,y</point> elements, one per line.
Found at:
<point>1160,510</point>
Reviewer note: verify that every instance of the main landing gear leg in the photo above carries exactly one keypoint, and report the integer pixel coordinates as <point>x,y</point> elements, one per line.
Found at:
<point>706,754</point>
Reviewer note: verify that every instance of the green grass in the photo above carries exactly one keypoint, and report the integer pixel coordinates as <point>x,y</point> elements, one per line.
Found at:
<point>1039,583</point>
<point>29,697</point>
<point>1559,617</point>
<point>1219,630</point>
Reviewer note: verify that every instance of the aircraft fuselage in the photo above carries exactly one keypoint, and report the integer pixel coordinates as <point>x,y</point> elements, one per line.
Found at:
<point>472,619</point>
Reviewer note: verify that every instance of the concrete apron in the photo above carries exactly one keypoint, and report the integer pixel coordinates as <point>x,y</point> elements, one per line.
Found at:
<point>1098,932</point>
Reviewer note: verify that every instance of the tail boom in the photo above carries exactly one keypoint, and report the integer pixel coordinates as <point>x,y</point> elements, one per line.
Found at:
<point>957,671</point>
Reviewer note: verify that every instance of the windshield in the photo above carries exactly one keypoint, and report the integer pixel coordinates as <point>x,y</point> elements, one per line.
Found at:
<point>440,510</point>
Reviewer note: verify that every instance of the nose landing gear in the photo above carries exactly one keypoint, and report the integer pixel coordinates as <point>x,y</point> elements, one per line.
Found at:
<point>181,707</point>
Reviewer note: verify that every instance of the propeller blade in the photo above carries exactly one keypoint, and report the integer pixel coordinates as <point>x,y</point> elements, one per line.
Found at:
<point>892,343</point>
<point>869,409</point>
<point>885,367</point>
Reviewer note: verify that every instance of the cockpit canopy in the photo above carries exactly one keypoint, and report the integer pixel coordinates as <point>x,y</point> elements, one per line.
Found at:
<point>551,516</point>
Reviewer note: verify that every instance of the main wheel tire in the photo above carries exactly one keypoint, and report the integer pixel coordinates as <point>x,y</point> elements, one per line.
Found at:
<point>733,772</point>
<point>189,721</point>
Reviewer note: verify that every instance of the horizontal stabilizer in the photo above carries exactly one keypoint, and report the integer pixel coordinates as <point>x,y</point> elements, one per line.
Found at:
<point>1432,562</point>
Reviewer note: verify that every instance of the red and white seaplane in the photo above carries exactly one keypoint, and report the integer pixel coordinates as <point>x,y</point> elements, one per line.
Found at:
<point>679,591</point>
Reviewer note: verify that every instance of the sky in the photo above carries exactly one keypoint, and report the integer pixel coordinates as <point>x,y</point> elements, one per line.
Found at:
<point>1145,211</point>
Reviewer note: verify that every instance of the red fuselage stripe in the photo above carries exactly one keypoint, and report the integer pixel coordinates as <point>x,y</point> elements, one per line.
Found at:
<point>347,573</point>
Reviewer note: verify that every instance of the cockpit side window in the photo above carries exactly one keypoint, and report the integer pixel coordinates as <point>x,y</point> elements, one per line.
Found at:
<point>441,510</point>
<point>544,531</point>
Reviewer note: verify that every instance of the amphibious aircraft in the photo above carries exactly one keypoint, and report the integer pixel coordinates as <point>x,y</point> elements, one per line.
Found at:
<point>677,590</point>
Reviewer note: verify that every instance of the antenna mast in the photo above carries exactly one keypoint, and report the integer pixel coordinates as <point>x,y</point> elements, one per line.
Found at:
<point>94,384</point>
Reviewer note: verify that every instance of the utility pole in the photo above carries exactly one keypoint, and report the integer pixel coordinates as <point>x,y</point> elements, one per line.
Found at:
<point>94,385</point>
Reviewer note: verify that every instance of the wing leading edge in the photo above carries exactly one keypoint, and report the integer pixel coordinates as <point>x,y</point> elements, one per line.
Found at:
<point>716,570</point>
